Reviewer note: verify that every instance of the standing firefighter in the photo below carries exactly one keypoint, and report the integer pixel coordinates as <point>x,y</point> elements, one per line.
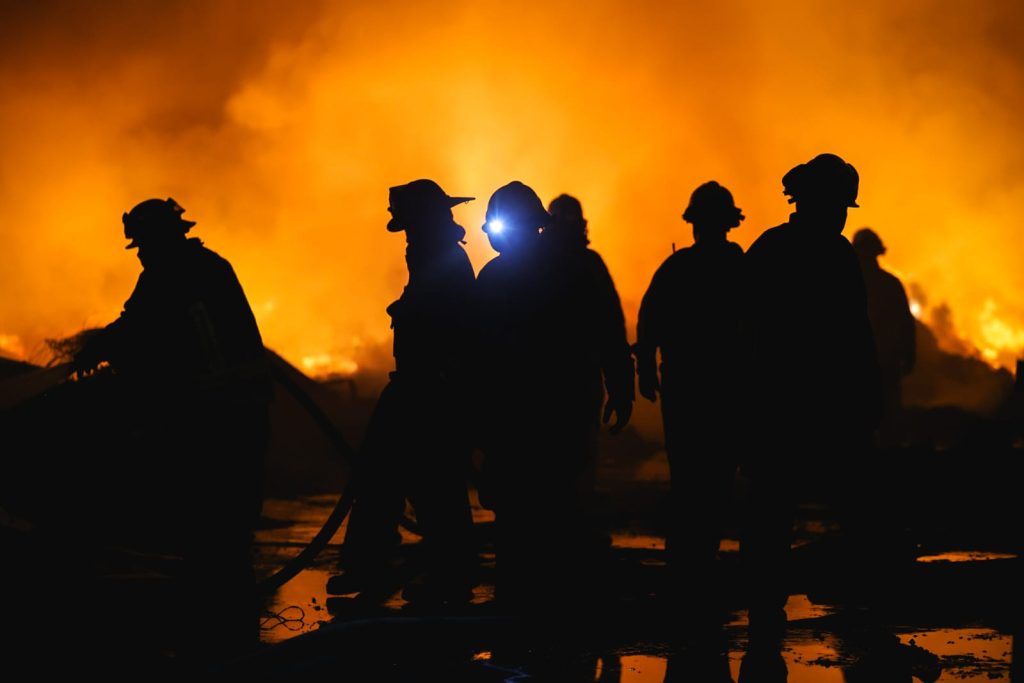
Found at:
<point>413,447</point>
<point>692,313</point>
<point>188,353</point>
<point>545,337</point>
<point>591,336</point>
<point>522,479</point>
<point>893,325</point>
<point>814,378</point>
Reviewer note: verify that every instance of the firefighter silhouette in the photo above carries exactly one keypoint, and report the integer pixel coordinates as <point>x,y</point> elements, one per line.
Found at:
<point>413,448</point>
<point>692,313</point>
<point>893,325</point>
<point>814,378</point>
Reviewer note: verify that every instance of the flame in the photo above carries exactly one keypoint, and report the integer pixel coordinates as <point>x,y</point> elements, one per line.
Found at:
<point>326,365</point>
<point>915,309</point>
<point>11,346</point>
<point>282,141</point>
<point>1002,343</point>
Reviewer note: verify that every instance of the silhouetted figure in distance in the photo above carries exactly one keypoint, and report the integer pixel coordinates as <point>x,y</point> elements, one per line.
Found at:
<point>188,353</point>
<point>583,278</point>
<point>692,313</point>
<point>591,331</point>
<point>892,323</point>
<point>814,375</point>
<point>414,447</point>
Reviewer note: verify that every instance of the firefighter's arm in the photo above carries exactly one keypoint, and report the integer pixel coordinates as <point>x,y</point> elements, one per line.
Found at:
<point>615,352</point>
<point>95,349</point>
<point>106,343</point>
<point>622,406</point>
<point>647,372</point>
<point>646,346</point>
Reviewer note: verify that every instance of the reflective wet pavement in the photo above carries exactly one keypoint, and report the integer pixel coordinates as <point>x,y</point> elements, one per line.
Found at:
<point>824,642</point>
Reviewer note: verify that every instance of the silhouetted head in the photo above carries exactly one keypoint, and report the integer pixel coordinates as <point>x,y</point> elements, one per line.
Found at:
<point>567,226</point>
<point>823,189</point>
<point>423,210</point>
<point>155,226</point>
<point>515,216</point>
<point>712,211</point>
<point>868,244</point>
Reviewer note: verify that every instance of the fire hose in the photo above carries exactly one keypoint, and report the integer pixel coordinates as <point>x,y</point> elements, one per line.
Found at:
<point>344,452</point>
<point>21,389</point>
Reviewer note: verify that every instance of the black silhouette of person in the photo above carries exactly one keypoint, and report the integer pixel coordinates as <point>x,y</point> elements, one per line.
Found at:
<point>814,378</point>
<point>538,398</point>
<point>592,336</point>
<point>892,323</point>
<point>187,350</point>
<point>583,280</point>
<point>413,447</point>
<point>692,312</point>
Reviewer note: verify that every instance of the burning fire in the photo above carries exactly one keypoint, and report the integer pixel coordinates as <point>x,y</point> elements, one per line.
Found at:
<point>11,346</point>
<point>915,309</point>
<point>1002,343</point>
<point>326,365</point>
<point>283,140</point>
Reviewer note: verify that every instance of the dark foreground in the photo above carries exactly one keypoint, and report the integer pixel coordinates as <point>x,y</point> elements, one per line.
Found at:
<point>950,615</point>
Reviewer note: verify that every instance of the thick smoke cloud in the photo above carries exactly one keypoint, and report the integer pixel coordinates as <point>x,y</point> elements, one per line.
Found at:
<point>279,126</point>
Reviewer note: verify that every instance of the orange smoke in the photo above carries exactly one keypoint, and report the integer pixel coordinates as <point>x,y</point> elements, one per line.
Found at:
<point>280,126</point>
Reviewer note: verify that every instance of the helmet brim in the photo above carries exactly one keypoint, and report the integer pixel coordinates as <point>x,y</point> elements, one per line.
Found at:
<point>394,225</point>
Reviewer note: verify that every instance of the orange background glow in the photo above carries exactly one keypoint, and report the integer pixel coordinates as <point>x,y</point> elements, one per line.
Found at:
<point>279,127</point>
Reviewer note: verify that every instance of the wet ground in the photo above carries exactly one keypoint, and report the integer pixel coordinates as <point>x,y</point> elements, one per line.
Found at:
<point>917,639</point>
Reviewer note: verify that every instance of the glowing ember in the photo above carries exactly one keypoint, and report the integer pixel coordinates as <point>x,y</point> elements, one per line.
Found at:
<point>965,556</point>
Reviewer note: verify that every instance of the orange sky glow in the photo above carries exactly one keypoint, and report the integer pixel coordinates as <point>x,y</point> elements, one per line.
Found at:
<point>279,127</point>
